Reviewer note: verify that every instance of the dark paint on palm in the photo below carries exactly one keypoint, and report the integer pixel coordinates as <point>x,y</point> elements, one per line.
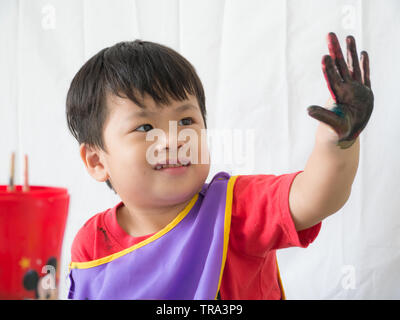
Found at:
<point>350,88</point>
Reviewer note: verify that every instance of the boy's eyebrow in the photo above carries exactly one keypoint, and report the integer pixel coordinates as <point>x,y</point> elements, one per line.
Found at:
<point>145,113</point>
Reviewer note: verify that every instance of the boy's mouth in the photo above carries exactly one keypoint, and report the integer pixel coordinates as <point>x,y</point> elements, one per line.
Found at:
<point>172,164</point>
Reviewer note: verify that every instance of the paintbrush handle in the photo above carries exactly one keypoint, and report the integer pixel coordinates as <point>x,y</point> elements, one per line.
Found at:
<point>25,188</point>
<point>11,186</point>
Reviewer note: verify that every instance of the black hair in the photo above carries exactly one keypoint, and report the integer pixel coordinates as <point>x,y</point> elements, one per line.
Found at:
<point>127,69</point>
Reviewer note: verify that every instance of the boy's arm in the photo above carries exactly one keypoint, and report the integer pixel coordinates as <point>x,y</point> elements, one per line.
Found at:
<point>325,184</point>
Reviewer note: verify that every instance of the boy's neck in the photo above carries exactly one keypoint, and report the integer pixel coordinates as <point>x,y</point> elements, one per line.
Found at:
<point>140,222</point>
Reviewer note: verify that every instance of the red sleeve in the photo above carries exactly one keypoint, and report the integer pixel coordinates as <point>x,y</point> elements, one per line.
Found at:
<point>261,218</point>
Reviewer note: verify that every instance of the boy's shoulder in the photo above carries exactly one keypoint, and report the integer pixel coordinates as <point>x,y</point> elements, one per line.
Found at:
<point>83,245</point>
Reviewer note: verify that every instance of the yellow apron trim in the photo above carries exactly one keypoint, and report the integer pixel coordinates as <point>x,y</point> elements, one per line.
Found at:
<point>227,225</point>
<point>171,225</point>
<point>280,282</point>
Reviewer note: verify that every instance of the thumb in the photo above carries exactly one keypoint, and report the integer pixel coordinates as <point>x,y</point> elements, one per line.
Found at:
<point>326,116</point>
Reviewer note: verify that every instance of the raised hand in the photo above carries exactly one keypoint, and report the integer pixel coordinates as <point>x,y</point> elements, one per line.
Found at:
<point>350,88</point>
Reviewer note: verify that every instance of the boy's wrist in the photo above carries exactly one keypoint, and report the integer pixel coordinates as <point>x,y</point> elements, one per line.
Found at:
<point>326,136</point>
<point>327,143</point>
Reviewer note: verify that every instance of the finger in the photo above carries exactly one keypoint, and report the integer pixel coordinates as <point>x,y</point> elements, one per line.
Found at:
<point>352,58</point>
<point>332,77</point>
<point>326,116</point>
<point>336,53</point>
<point>365,69</point>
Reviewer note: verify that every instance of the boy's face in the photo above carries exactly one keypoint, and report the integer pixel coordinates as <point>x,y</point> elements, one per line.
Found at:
<point>131,160</point>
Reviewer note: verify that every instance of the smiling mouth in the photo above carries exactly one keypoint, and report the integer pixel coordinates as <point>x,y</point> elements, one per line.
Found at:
<point>160,166</point>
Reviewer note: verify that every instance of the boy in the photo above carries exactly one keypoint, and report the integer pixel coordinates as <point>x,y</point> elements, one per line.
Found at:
<point>173,236</point>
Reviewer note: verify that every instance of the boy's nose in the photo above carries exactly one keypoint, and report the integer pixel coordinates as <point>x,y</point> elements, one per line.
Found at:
<point>170,142</point>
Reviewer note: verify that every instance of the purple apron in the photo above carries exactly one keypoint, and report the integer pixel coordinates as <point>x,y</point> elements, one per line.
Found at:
<point>185,260</point>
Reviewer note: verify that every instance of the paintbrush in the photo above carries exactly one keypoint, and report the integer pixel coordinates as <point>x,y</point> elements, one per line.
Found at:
<point>25,188</point>
<point>11,186</point>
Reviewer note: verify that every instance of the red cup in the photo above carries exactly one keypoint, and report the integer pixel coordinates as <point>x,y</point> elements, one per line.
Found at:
<point>32,228</point>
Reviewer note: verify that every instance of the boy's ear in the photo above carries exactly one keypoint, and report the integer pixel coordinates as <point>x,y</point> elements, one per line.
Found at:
<point>93,161</point>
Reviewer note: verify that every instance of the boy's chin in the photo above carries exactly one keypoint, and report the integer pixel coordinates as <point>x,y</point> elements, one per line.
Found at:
<point>181,190</point>
<point>175,198</point>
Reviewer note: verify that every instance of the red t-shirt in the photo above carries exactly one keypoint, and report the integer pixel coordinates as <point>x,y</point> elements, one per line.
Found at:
<point>261,223</point>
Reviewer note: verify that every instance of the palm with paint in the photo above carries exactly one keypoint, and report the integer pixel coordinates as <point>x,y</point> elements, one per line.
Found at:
<point>350,88</point>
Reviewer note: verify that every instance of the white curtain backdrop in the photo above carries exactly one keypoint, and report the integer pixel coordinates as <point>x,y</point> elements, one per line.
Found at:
<point>260,64</point>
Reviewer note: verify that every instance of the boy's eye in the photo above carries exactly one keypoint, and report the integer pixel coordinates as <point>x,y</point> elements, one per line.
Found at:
<point>147,127</point>
<point>187,121</point>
